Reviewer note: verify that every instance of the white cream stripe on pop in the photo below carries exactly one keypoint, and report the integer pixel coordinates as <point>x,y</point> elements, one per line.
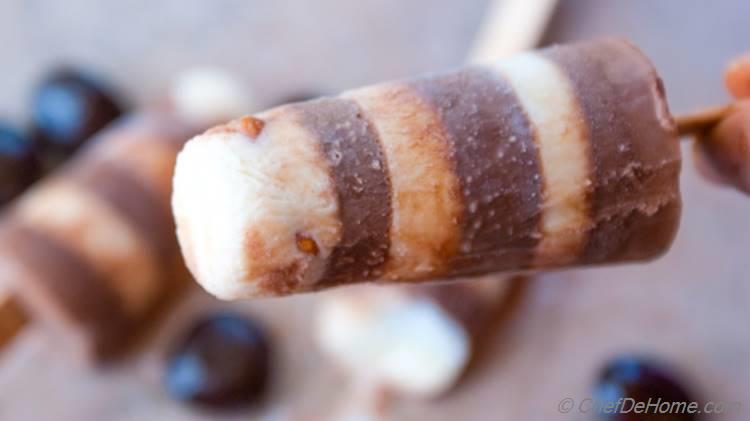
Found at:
<point>425,206</point>
<point>563,143</point>
<point>73,216</point>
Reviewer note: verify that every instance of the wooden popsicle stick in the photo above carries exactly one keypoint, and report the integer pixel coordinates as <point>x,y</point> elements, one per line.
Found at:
<point>13,318</point>
<point>694,123</point>
<point>511,26</point>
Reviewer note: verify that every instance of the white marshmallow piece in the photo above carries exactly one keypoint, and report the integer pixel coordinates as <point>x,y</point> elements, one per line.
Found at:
<point>407,343</point>
<point>206,95</point>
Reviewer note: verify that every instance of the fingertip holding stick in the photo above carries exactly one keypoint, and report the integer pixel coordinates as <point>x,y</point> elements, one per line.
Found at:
<point>721,146</point>
<point>737,82</point>
<point>737,77</point>
<point>696,123</point>
<point>722,134</point>
<point>722,153</point>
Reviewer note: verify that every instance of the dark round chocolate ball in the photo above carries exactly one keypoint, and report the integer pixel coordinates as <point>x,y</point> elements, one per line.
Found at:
<point>223,362</point>
<point>68,107</point>
<point>18,164</point>
<point>629,380</point>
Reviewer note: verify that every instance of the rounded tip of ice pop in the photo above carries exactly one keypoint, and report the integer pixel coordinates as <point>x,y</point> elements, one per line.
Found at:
<point>244,229</point>
<point>737,77</point>
<point>207,201</point>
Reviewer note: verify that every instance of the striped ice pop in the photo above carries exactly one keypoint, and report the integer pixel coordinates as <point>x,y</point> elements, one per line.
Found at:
<point>565,156</point>
<point>92,248</point>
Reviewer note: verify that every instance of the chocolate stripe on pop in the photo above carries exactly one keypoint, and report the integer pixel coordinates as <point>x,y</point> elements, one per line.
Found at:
<point>118,188</point>
<point>496,161</point>
<point>69,283</point>
<point>563,141</point>
<point>359,173</point>
<point>425,193</point>
<point>633,185</point>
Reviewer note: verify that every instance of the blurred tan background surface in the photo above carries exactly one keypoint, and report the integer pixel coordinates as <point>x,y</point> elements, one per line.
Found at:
<point>278,47</point>
<point>691,308</point>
